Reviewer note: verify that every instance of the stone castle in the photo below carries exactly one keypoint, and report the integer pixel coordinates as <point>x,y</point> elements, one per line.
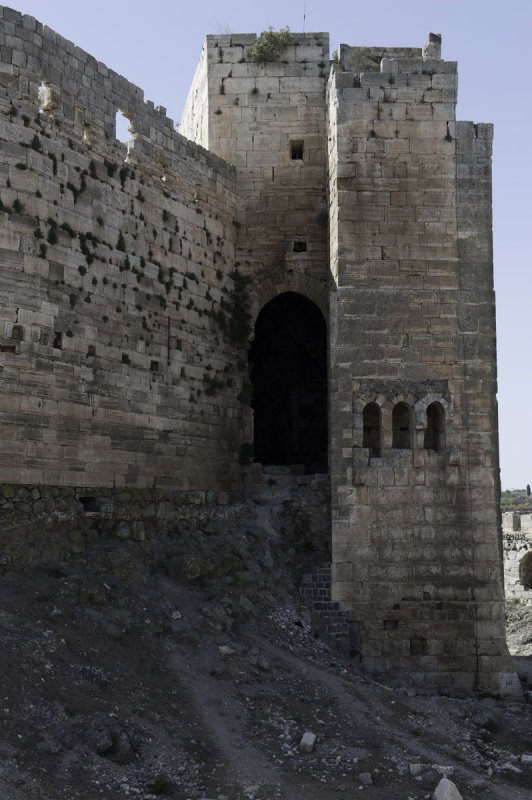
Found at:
<point>302,275</point>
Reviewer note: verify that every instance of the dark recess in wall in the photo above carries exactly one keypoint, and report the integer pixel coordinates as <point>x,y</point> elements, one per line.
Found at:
<point>288,360</point>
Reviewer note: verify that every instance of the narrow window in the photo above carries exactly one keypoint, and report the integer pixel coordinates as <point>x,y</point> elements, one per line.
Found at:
<point>401,427</point>
<point>296,150</point>
<point>435,431</point>
<point>122,131</point>
<point>371,421</point>
<point>58,340</point>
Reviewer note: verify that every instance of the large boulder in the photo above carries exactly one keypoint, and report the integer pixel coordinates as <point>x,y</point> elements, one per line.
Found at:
<point>446,790</point>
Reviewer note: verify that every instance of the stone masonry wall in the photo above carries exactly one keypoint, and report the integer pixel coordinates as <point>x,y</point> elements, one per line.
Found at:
<point>255,115</point>
<point>268,120</point>
<point>117,361</point>
<point>416,541</point>
<point>55,523</point>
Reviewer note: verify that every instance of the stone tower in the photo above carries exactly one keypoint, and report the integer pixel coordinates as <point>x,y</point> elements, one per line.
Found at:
<point>333,220</point>
<point>411,326</point>
<point>413,363</point>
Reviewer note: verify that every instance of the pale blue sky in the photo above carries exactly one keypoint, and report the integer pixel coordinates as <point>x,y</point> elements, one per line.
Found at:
<point>157,44</point>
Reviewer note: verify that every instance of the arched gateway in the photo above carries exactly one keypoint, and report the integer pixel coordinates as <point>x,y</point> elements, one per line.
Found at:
<point>288,365</point>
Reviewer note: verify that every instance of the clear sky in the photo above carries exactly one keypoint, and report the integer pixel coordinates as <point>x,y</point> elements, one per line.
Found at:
<point>157,45</point>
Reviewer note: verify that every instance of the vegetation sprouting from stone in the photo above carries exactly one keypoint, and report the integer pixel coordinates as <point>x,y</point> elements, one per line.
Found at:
<point>270,45</point>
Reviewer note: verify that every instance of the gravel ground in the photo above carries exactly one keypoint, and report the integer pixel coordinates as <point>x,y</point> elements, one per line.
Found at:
<point>189,680</point>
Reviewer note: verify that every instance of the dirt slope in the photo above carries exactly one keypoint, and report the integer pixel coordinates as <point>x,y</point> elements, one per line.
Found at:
<point>188,680</point>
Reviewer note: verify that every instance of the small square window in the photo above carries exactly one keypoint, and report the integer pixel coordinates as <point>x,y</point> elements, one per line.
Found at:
<point>296,150</point>
<point>300,247</point>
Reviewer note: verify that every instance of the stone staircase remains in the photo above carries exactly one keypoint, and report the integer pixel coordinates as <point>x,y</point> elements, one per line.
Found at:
<point>316,589</point>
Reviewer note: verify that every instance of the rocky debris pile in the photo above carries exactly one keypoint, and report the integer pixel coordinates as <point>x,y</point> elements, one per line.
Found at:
<point>187,665</point>
<point>519,628</point>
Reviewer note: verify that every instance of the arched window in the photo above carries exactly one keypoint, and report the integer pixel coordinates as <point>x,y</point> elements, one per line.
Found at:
<point>401,427</point>
<point>525,571</point>
<point>435,431</point>
<point>371,420</point>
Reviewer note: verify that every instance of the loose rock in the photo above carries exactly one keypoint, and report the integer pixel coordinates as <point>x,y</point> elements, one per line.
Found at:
<point>308,740</point>
<point>446,790</point>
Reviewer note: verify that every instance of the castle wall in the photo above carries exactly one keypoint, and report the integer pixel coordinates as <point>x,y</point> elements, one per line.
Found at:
<point>416,538</point>
<point>132,274</point>
<point>117,363</point>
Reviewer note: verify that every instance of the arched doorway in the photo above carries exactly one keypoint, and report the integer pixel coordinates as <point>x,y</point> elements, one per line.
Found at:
<point>525,571</point>
<point>288,360</point>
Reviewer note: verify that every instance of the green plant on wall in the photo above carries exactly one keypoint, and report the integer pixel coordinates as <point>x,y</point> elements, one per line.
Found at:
<point>270,45</point>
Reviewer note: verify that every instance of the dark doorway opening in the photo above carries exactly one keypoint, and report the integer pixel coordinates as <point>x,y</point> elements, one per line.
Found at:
<point>288,360</point>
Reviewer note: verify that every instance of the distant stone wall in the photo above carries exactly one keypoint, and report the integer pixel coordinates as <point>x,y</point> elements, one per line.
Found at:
<point>116,360</point>
<point>517,544</point>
